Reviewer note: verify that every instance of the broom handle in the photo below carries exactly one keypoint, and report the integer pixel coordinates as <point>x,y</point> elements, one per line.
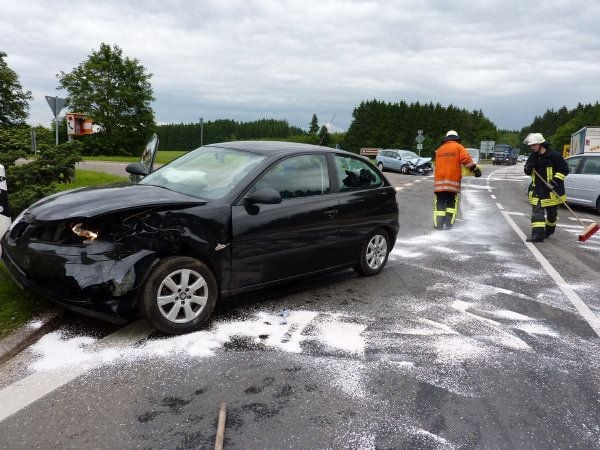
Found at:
<point>560,198</point>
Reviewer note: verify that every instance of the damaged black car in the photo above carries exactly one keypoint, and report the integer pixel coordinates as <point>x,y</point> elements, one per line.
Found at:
<point>220,220</point>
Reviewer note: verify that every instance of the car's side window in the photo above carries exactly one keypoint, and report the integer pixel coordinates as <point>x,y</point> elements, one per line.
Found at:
<point>591,166</point>
<point>573,163</point>
<point>298,176</point>
<point>354,174</point>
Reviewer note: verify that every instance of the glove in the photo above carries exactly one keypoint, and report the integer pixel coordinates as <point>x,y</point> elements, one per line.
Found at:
<point>529,168</point>
<point>477,172</point>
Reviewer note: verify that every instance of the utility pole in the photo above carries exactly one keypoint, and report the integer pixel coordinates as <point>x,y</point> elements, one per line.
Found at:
<point>201,131</point>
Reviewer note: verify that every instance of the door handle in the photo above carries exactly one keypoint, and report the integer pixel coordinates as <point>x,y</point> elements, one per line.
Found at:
<point>330,212</point>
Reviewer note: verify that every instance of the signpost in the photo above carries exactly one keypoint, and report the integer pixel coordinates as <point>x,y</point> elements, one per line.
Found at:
<point>56,105</point>
<point>420,138</point>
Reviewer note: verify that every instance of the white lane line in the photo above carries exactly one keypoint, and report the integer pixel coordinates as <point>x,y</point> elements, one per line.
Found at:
<point>24,392</point>
<point>579,305</point>
<point>499,205</point>
<point>583,219</point>
<point>515,213</point>
<point>399,188</point>
<point>493,196</point>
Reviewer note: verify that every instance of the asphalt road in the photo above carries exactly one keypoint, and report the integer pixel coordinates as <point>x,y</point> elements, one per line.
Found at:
<point>469,338</point>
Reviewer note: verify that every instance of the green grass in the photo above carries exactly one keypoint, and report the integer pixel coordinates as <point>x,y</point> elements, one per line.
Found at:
<point>17,306</point>
<point>162,157</point>
<point>85,178</point>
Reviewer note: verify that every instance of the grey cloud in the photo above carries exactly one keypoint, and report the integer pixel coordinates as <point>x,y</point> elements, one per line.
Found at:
<point>251,59</point>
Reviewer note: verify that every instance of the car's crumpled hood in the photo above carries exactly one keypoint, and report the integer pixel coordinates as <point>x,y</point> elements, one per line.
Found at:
<point>420,161</point>
<point>89,202</point>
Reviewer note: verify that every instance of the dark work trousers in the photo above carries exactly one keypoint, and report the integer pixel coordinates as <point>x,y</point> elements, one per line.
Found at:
<point>543,220</point>
<point>445,207</point>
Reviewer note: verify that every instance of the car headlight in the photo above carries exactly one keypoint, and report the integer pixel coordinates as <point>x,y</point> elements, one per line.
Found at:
<point>17,220</point>
<point>89,235</point>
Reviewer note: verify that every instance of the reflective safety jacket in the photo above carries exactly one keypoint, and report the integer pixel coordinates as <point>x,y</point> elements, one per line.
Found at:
<point>553,167</point>
<point>448,159</point>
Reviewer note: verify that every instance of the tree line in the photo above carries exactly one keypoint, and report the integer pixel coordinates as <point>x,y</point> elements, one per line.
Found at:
<point>394,125</point>
<point>188,136</point>
<point>558,126</point>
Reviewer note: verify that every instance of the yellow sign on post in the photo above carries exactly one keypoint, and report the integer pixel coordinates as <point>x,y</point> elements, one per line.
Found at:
<point>566,150</point>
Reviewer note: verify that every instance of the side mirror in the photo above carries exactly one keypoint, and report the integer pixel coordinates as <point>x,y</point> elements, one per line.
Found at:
<point>267,196</point>
<point>136,171</point>
<point>136,168</point>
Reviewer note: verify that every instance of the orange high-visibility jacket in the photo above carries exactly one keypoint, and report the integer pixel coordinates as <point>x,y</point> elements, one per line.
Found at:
<point>448,159</point>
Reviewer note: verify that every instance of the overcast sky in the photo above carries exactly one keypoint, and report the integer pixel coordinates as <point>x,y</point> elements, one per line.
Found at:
<point>246,60</point>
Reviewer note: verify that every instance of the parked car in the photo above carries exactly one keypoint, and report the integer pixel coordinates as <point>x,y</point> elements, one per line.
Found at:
<point>398,160</point>
<point>223,219</point>
<point>582,185</point>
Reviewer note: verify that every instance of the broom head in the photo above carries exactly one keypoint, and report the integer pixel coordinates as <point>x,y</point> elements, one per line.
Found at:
<point>588,232</point>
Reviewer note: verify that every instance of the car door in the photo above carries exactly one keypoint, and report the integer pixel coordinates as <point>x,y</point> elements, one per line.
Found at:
<point>396,161</point>
<point>294,237</point>
<point>365,203</point>
<point>588,181</point>
<point>572,188</point>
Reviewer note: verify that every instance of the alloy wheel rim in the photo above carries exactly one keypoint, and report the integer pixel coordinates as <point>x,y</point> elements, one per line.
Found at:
<point>376,252</point>
<point>182,296</point>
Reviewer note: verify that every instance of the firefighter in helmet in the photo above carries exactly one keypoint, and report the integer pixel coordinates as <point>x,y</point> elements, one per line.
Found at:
<point>548,170</point>
<point>449,158</point>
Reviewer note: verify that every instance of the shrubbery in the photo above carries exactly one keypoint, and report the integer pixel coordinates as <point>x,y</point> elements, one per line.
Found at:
<point>31,180</point>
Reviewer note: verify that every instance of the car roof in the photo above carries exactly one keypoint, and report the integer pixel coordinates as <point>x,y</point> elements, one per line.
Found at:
<point>276,147</point>
<point>594,154</point>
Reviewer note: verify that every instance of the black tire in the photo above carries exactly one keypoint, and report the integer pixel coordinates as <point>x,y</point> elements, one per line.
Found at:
<point>598,205</point>
<point>380,166</point>
<point>374,253</point>
<point>186,312</point>
<point>404,169</point>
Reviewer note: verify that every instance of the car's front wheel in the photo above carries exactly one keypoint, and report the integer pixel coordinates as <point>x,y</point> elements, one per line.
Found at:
<point>380,166</point>
<point>179,296</point>
<point>404,169</point>
<point>374,253</point>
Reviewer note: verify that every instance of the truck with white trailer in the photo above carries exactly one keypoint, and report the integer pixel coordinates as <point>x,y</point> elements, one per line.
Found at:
<point>586,140</point>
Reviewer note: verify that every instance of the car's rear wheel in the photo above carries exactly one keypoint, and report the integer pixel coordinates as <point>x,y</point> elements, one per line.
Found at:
<point>179,296</point>
<point>374,253</point>
<point>380,166</point>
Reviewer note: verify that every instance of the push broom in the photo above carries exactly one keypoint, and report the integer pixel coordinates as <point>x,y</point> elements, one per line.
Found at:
<point>588,230</point>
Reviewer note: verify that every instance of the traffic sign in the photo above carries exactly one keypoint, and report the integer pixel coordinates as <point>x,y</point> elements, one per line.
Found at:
<point>56,104</point>
<point>420,138</point>
<point>419,146</point>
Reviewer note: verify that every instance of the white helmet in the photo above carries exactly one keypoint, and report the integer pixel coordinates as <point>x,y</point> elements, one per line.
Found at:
<point>451,135</point>
<point>534,138</point>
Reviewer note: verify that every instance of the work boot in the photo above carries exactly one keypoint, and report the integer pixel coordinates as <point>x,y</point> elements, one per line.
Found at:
<point>534,239</point>
<point>548,232</point>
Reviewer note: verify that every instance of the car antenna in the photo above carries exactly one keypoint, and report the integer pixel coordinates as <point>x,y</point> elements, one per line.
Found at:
<point>323,137</point>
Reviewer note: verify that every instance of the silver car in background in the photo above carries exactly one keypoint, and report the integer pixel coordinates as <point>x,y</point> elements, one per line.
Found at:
<point>398,160</point>
<point>582,185</point>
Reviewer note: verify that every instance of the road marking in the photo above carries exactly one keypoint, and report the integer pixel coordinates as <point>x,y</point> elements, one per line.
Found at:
<point>515,213</point>
<point>499,205</point>
<point>580,306</point>
<point>493,196</point>
<point>24,392</point>
<point>583,219</point>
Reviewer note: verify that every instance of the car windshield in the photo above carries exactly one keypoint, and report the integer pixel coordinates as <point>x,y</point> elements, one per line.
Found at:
<point>208,172</point>
<point>409,155</point>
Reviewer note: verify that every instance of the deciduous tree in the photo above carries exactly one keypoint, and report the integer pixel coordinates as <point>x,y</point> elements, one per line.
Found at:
<point>115,92</point>
<point>14,101</point>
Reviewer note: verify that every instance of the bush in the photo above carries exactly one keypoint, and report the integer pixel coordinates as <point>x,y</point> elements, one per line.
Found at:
<point>34,180</point>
